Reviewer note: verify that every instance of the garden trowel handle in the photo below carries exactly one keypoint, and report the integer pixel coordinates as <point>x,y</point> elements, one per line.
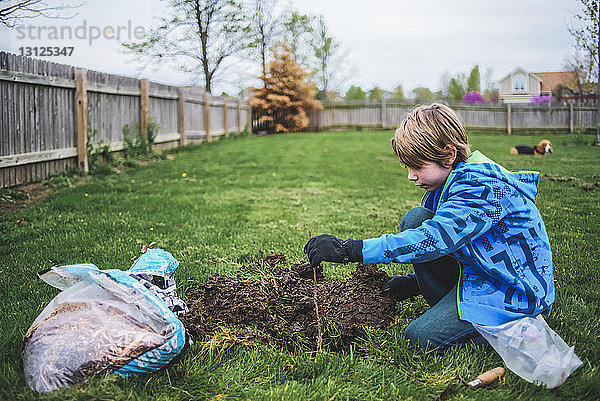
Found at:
<point>487,377</point>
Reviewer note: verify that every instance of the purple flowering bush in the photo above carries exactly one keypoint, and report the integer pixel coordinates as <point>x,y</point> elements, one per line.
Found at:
<point>543,99</point>
<point>473,97</point>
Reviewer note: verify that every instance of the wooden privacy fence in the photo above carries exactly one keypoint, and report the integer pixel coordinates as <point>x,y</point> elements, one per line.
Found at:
<point>46,110</point>
<point>515,118</point>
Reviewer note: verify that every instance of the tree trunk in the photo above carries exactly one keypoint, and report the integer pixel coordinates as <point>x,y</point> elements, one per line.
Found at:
<point>263,50</point>
<point>207,84</point>
<point>206,68</point>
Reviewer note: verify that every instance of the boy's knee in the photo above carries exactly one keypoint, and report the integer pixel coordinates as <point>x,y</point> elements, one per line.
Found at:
<point>417,336</point>
<point>415,217</point>
<point>428,336</point>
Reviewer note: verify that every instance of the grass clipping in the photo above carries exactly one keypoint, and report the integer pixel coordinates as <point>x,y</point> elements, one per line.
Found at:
<point>268,302</point>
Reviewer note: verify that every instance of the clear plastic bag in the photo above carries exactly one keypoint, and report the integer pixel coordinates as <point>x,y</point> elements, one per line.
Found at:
<point>102,321</point>
<point>532,350</point>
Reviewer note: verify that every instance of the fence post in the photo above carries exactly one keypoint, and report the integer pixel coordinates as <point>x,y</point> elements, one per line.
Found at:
<point>81,105</point>
<point>181,117</point>
<point>207,115</point>
<point>225,118</point>
<point>571,118</point>
<point>508,118</point>
<point>144,108</point>
<point>239,116</point>
<point>319,119</point>
<point>382,113</point>
<point>249,120</point>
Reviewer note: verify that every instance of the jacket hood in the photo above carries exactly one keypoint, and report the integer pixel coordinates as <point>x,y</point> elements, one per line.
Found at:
<point>525,182</point>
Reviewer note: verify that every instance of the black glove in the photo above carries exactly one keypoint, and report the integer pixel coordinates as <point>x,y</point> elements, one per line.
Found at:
<point>401,287</point>
<point>328,248</point>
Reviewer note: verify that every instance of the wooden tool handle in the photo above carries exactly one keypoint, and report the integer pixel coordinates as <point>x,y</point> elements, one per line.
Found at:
<point>487,377</point>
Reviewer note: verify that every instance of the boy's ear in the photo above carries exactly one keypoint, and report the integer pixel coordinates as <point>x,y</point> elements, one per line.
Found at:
<point>452,153</point>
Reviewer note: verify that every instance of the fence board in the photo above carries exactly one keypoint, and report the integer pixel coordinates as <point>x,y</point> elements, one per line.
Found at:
<point>216,119</point>
<point>232,117</point>
<point>164,112</point>
<point>194,117</point>
<point>3,119</point>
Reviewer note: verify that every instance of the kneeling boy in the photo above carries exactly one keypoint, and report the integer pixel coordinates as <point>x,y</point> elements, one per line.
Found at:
<point>478,244</point>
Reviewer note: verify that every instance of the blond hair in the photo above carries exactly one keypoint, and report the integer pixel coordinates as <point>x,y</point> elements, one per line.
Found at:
<point>424,135</point>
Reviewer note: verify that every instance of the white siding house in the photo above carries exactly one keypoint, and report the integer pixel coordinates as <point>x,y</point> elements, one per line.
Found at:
<point>519,86</point>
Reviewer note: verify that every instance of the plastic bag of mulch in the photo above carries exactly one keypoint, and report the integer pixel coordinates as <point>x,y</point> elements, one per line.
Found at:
<point>532,350</point>
<point>124,322</point>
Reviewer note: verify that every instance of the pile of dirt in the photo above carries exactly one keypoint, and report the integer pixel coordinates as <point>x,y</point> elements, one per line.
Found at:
<point>271,303</point>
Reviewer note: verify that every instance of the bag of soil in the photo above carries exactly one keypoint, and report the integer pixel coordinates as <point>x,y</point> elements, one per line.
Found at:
<point>105,321</point>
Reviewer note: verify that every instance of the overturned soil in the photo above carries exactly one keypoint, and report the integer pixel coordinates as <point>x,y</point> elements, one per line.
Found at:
<point>271,303</point>
<point>26,195</point>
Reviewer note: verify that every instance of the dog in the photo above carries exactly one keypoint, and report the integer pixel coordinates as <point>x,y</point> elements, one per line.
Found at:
<point>543,148</point>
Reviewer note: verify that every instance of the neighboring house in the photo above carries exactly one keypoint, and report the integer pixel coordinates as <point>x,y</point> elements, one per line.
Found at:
<point>520,86</point>
<point>552,80</point>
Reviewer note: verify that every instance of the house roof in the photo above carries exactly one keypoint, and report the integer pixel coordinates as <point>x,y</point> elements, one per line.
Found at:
<point>551,80</point>
<point>520,69</point>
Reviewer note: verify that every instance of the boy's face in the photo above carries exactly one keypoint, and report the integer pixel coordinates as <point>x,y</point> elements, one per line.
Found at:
<point>430,176</point>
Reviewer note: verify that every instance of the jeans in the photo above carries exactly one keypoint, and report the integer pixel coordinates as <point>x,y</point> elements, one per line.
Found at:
<point>439,327</point>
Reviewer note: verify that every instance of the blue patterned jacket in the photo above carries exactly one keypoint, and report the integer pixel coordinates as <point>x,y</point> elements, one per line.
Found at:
<point>487,219</point>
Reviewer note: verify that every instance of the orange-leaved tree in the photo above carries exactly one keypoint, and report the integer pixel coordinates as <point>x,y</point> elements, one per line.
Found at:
<point>287,98</point>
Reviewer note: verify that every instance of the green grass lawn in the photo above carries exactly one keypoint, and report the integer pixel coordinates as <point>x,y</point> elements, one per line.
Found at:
<point>252,196</point>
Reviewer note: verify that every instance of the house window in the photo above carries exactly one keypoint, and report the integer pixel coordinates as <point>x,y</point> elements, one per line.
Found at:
<point>519,83</point>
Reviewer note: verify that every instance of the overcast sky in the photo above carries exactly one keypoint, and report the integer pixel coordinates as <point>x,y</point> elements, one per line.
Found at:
<point>388,42</point>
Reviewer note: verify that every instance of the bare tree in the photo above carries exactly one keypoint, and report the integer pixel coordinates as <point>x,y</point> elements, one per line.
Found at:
<point>587,41</point>
<point>266,27</point>
<point>490,84</point>
<point>582,66</point>
<point>445,83</point>
<point>13,12</point>
<point>328,58</point>
<point>297,28</point>
<point>205,34</point>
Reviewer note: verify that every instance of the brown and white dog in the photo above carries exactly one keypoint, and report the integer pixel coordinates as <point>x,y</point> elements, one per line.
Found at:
<point>542,149</point>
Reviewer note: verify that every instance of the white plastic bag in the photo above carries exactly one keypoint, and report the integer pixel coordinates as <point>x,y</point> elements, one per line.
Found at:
<point>532,350</point>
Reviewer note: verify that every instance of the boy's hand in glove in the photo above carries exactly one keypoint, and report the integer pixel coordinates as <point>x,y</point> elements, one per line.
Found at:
<point>328,248</point>
<point>400,288</point>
